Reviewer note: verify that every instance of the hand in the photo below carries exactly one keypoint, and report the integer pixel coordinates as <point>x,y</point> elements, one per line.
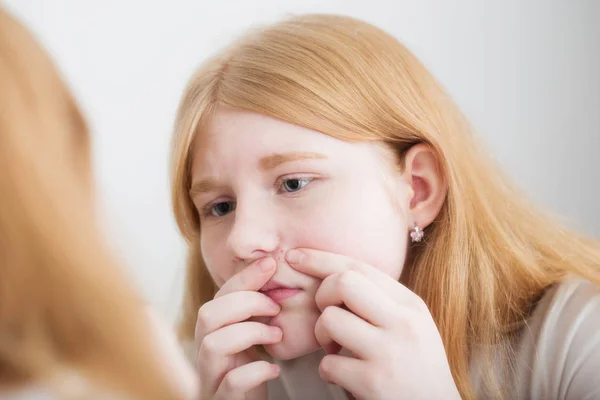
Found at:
<point>397,351</point>
<point>228,365</point>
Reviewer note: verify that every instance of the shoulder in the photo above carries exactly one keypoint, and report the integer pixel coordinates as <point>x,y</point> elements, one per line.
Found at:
<point>558,355</point>
<point>568,314</point>
<point>572,294</point>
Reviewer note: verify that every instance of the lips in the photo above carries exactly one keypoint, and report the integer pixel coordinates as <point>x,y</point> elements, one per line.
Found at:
<point>279,292</point>
<point>274,285</point>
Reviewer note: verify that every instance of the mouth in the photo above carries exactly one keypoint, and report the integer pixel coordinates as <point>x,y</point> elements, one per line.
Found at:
<point>279,292</point>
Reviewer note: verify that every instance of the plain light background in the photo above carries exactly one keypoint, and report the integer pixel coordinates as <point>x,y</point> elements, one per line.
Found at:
<point>527,74</point>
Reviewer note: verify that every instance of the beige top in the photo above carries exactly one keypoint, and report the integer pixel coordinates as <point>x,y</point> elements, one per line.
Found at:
<point>557,355</point>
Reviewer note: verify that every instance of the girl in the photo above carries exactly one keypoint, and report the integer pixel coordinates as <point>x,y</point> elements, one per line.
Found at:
<point>341,215</point>
<point>70,327</point>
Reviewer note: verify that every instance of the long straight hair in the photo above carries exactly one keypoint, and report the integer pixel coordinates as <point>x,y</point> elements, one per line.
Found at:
<point>66,308</point>
<point>490,253</point>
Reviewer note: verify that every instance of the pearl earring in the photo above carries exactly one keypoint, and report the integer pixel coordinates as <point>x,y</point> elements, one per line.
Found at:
<point>416,235</point>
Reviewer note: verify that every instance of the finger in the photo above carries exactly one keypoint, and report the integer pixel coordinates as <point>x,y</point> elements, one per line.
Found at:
<point>241,380</point>
<point>251,278</point>
<point>359,295</point>
<point>319,264</point>
<point>236,338</point>
<point>338,326</point>
<point>232,308</point>
<point>216,348</point>
<point>322,264</point>
<point>350,373</point>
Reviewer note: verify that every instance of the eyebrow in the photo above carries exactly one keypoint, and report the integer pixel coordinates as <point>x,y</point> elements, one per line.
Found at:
<point>203,186</point>
<point>275,160</point>
<point>265,163</point>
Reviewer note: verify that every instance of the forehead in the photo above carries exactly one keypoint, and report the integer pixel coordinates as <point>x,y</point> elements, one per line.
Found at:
<point>233,138</point>
<point>241,129</point>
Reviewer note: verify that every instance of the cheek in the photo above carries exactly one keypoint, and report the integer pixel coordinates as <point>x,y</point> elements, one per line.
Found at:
<point>370,230</point>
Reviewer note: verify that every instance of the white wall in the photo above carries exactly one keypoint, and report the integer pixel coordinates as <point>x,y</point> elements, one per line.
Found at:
<point>527,73</point>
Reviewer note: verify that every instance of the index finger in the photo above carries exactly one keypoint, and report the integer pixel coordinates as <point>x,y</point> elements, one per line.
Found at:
<point>251,278</point>
<point>322,264</point>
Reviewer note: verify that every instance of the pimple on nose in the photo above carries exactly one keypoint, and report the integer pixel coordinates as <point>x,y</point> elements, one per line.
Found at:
<point>280,255</point>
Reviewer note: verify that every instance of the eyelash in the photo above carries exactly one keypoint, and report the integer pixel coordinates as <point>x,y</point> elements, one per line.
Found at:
<point>279,182</point>
<point>207,211</point>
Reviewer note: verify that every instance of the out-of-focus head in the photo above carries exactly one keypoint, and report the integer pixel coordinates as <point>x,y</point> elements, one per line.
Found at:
<point>66,308</point>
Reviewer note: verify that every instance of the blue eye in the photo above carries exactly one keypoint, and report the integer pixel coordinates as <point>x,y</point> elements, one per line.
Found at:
<point>293,185</point>
<point>222,209</point>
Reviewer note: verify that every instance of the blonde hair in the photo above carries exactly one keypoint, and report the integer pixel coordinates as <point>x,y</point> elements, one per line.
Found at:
<point>65,308</point>
<point>490,253</point>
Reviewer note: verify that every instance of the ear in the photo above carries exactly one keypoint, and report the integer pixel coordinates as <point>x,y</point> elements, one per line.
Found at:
<point>423,175</point>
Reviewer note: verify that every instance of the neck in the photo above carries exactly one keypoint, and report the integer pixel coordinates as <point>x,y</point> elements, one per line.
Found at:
<point>300,378</point>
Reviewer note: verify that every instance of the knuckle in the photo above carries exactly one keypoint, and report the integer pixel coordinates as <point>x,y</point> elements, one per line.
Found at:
<point>231,384</point>
<point>372,381</point>
<point>325,369</point>
<point>208,347</point>
<point>355,266</point>
<point>328,316</point>
<point>349,277</point>
<point>203,318</point>
<point>347,280</point>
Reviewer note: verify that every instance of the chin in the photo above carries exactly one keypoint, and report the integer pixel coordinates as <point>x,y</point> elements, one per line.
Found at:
<point>298,336</point>
<point>283,351</point>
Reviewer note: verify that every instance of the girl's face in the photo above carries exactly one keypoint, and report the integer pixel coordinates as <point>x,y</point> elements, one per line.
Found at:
<point>263,187</point>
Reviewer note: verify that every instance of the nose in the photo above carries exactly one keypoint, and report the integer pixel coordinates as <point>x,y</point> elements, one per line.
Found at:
<point>254,232</point>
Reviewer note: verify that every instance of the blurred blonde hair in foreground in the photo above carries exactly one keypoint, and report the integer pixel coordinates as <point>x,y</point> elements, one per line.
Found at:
<point>65,308</point>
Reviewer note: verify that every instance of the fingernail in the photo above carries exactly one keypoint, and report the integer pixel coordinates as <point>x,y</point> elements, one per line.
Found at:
<point>276,369</point>
<point>294,256</point>
<point>276,333</point>
<point>266,264</point>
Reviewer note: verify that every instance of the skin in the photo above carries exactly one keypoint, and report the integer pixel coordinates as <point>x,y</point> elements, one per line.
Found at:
<point>262,188</point>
